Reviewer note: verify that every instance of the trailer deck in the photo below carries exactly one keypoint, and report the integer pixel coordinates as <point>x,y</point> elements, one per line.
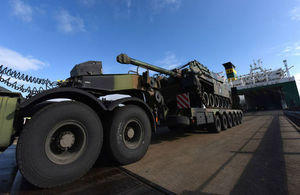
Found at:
<point>260,156</point>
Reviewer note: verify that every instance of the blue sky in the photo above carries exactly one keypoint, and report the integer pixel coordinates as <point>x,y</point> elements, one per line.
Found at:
<point>47,38</point>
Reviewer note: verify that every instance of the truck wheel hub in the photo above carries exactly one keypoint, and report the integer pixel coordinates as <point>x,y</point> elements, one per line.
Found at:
<point>67,140</point>
<point>133,134</point>
<point>130,133</point>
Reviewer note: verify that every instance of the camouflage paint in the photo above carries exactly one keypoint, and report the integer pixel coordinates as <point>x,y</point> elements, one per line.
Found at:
<point>108,83</point>
<point>125,82</point>
<point>7,106</point>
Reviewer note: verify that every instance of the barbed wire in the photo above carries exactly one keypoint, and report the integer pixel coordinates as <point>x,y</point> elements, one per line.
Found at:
<point>14,76</point>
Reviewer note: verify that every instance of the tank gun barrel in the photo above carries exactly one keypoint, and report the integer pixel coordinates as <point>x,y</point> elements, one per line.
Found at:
<point>125,59</point>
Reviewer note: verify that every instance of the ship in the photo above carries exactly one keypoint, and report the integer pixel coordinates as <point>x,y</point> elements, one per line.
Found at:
<point>265,89</point>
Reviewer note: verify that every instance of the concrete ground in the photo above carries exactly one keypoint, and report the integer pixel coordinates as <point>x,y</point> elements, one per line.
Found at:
<point>260,156</point>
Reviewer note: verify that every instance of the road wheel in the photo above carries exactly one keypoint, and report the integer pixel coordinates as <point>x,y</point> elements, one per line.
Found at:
<point>220,102</point>
<point>229,103</point>
<point>217,101</point>
<point>224,122</point>
<point>229,121</point>
<point>205,99</point>
<point>234,119</point>
<point>59,144</point>
<point>216,126</point>
<point>211,100</point>
<point>130,134</point>
<point>223,102</point>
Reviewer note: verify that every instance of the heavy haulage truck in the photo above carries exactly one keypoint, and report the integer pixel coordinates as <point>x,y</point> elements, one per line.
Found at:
<point>58,142</point>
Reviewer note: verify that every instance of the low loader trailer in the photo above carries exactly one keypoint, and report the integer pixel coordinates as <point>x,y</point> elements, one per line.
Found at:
<point>58,142</point>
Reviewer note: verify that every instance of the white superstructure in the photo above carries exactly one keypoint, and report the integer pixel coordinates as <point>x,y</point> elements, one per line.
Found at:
<point>262,77</point>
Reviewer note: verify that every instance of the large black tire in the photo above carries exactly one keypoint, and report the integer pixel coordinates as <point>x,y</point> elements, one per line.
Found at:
<point>229,120</point>
<point>239,118</point>
<point>224,122</point>
<point>216,127</point>
<point>59,144</point>
<point>234,119</point>
<point>130,134</point>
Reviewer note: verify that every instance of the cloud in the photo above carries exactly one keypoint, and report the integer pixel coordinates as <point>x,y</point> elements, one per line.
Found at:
<point>292,50</point>
<point>121,9</point>
<point>287,50</point>
<point>68,23</point>
<point>22,10</point>
<point>128,3</point>
<point>88,3</point>
<point>169,61</point>
<point>162,4</point>
<point>17,61</point>
<point>295,14</point>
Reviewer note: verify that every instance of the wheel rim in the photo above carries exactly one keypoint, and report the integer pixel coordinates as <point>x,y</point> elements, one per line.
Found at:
<point>66,142</point>
<point>133,134</point>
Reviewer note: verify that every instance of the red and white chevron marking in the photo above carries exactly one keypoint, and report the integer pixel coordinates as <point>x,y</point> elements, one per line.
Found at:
<point>183,100</point>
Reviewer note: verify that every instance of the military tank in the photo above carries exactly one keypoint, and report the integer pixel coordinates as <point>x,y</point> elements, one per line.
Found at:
<point>206,89</point>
